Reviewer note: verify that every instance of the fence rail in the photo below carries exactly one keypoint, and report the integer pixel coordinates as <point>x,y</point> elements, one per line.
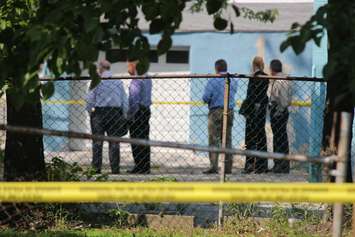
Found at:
<point>191,76</point>
<point>171,145</point>
<point>180,143</point>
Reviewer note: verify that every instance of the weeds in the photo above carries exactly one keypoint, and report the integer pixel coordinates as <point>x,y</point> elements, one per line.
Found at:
<point>120,217</point>
<point>241,210</point>
<point>60,170</point>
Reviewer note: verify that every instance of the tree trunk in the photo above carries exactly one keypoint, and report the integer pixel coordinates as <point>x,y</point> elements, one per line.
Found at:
<point>24,157</point>
<point>339,94</point>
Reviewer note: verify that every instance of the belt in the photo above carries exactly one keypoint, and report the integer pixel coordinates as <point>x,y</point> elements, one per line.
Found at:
<point>216,108</point>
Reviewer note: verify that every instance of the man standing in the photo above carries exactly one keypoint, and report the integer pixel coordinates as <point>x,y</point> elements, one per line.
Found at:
<point>140,99</point>
<point>280,98</point>
<point>214,97</point>
<point>107,106</point>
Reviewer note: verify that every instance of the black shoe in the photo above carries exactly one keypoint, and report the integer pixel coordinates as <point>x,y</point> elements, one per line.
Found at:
<point>210,171</point>
<point>115,172</point>
<point>133,171</point>
<point>136,170</point>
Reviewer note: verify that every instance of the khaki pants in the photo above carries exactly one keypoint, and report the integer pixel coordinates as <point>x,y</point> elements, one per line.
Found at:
<point>215,123</point>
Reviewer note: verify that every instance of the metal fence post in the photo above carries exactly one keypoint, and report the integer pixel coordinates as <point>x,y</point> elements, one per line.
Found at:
<point>343,154</point>
<point>317,107</point>
<point>224,142</point>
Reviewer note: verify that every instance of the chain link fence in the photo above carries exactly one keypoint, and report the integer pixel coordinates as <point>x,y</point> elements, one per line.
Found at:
<point>179,114</point>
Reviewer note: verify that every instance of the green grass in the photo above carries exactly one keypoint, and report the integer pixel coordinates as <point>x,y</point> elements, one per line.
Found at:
<point>90,233</point>
<point>151,233</point>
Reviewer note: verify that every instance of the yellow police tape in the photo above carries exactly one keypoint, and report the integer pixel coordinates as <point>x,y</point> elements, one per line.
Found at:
<point>181,192</point>
<point>192,103</point>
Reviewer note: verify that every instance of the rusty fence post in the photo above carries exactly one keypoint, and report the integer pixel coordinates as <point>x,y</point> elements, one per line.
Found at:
<point>222,161</point>
<point>340,172</point>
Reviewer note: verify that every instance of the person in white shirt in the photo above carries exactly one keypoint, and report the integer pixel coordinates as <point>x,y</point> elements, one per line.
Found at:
<point>280,98</point>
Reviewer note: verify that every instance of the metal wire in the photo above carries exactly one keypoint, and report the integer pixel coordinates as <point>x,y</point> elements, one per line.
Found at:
<point>171,145</point>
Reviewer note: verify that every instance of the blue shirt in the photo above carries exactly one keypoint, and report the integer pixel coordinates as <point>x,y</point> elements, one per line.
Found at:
<point>140,94</point>
<point>109,93</point>
<point>214,93</point>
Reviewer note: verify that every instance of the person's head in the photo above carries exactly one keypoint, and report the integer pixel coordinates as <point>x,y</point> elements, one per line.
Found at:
<point>221,66</point>
<point>132,67</point>
<point>258,64</point>
<point>275,66</point>
<point>104,65</point>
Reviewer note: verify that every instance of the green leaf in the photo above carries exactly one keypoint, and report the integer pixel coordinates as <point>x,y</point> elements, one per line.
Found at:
<point>213,6</point>
<point>47,90</point>
<point>295,25</point>
<point>231,28</point>
<point>150,10</point>
<point>236,10</point>
<point>92,24</point>
<point>95,79</point>
<point>297,44</point>
<point>142,66</point>
<point>318,40</point>
<point>87,51</point>
<point>156,26</point>
<point>220,23</point>
<point>164,45</point>
<point>284,45</point>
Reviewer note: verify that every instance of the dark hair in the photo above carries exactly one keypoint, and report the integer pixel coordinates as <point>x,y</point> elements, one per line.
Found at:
<point>221,65</point>
<point>276,65</point>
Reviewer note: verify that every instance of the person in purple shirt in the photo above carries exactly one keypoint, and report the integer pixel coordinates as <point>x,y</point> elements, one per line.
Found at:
<point>140,99</point>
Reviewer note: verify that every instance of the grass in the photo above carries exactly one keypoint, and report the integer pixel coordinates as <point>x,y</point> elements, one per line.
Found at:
<point>242,224</point>
<point>242,228</point>
<point>92,233</point>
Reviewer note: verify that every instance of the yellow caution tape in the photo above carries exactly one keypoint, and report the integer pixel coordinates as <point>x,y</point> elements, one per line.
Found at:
<point>183,192</point>
<point>192,103</point>
<point>65,102</point>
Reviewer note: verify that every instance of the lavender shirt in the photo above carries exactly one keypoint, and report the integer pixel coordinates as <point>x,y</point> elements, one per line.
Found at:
<point>140,94</point>
<point>109,93</point>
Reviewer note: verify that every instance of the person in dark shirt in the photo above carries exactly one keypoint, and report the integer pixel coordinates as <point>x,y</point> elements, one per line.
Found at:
<point>140,100</point>
<point>254,109</point>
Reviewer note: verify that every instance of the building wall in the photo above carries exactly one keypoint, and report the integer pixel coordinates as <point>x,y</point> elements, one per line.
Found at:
<point>239,49</point>
<point>320,58</point>
<point>204,49</point>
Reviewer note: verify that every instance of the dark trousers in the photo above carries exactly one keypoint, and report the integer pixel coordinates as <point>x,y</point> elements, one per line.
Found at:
<point>279,130</point>
<point>255,138</point>
<point>140,129</point>
<point>109,120</point>
<point>215,126</point>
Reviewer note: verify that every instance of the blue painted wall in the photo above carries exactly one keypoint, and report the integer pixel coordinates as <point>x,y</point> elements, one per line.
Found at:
<point>56,116</point>
<point>205,48</point>
<point>320,58</point>
<point>239,49</point>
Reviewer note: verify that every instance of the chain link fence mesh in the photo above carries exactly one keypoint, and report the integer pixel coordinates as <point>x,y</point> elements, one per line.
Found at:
<point>178,114</point>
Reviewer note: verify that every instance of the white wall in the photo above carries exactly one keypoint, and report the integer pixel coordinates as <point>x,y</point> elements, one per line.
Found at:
<point>169,119</point>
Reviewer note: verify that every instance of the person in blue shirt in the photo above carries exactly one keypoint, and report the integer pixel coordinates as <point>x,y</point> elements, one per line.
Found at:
<point>107,105</point>
<point>214,97</point>
<point>140,100</point>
